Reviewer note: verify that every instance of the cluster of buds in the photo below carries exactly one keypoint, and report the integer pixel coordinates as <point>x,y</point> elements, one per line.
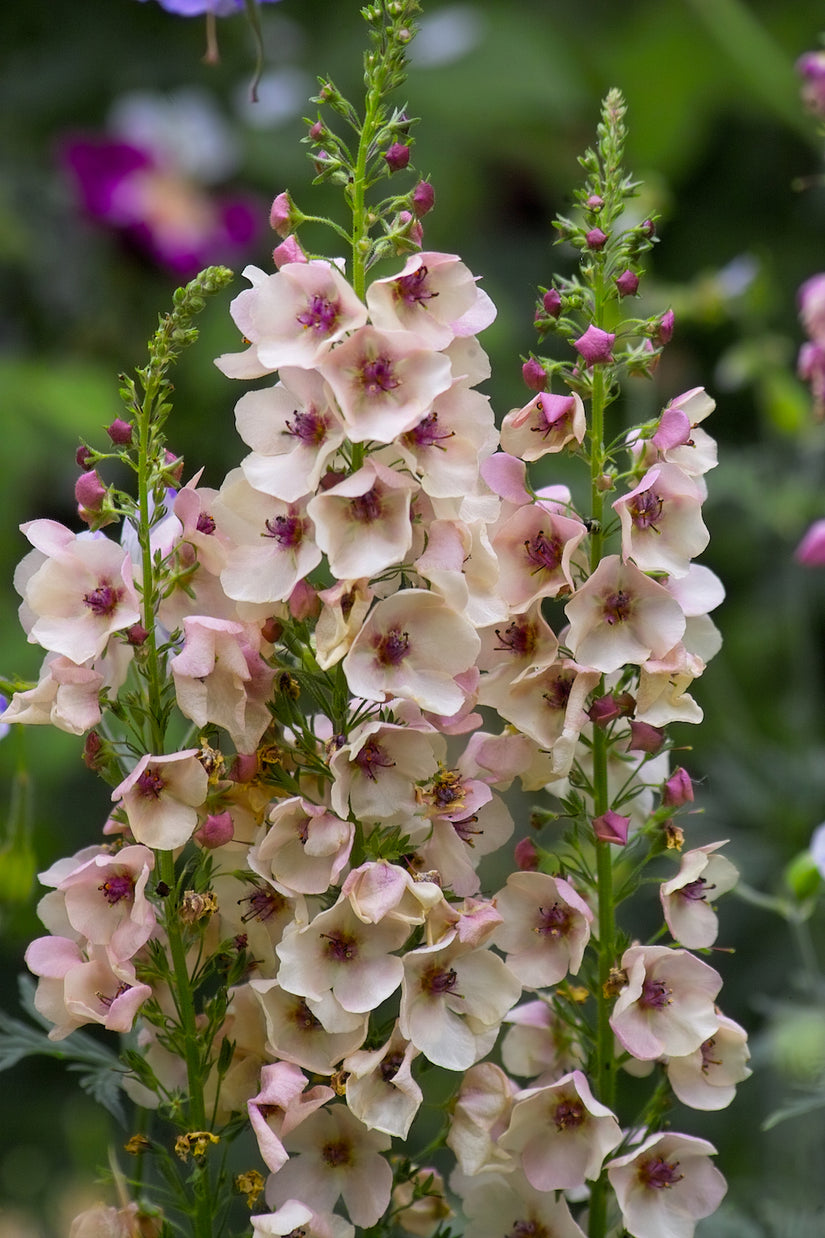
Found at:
<point>292,911</point>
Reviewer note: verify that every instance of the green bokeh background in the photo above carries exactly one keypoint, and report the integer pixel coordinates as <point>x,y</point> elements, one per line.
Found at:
<point>721,141</point>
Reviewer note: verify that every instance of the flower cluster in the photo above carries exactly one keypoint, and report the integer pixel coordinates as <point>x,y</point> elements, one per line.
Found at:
<point>289,903</point>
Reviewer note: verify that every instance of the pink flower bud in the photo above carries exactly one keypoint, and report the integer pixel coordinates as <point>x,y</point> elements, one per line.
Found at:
<point>90,491</point>
<point>83,456</point>
<point>244,767</point>
<point>415,232</point>
<point>137,635</point>
<point>120,432</point>
<point>596,239</point>
<point>645,738</point>
<point>272,630</point>
<point>397,157</point>
<point>526,855</point>
<point>534,375</point>
<point>281,214</point>
<point>811,550</point>
<point>216,831</point>
<point>648,228</point>
<point>423,198</point>
<point>678,789</point>
<point>607,708</point>
<point>317,131</point>
<point>664,333</point>
<point>595,345</point>
<point>288,251</point>
<point>92,750</point>
<point>552,302</point>
<point>594,202</point>
<point>627,284</point>
<point>610,827</point>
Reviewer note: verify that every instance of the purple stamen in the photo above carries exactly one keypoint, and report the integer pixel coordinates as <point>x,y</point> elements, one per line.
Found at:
<point>428,433</point>
<point>519,638</point>
<point>658,1174</point>
<point>646,510</point>
<point>377,376</point>
<point>103,600</point>
<point>320,315</point>
<point>392,647</point>
<point>411,288</point>
<point>372,757</point>
<point>553,921</point>
<point>310,427</point>
<point>543,552</point>
<point>288,531</point>
<point>617,607</point>
<point>116,888</point>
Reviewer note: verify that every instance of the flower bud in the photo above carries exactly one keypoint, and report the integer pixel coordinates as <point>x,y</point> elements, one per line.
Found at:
<point>678,789</point>
<point>90,491</point>
<point>534,375</point>
<point>595,345</point>
<point>627,283</point>
<point>526,855</point>
<point>83,456</point>
<point>645,738</point>
<point>282,214</point>
<point>120,432</point>
<point>217,830</point>
<point>596,239</point>
<point>423,198</point>
<point>811,550</point>
<point>594,202</point>
<point>288,251</point>
<point>664,332</point>
<point>397,157</point>
<point>610,827</point>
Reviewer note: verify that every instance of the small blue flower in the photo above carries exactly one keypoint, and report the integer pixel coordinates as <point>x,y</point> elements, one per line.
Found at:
<point>195,8</point>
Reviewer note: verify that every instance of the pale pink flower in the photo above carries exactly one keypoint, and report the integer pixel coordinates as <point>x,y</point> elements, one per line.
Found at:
<point>461,565</point>
<point>561,1133</point>
<point>78,987</point>
<point>280,1106</point>
<point>384,382</point>
<point>480,1115</point>
<point>697,454</point>
<point>412,645</point>
<point>662,695</point>
<point>105,897</point>
<point>381,1091</point>
<point>161,797</point>
<point>198,532</point>
<point>294,1217</point>
<point>67,696</point>
<point>332,1156</point>
<point>305,847</point>
<point>666,1009</point>
<point>666,1185</point>
<point>291,318</point>
<point>537,1042</point>
<point>77,590</point>
<point>620,615</point>
<point>220,677</point>
<point>535,548</point>
<point>546,425</point>
<point>424,1215</point>
<point>363,523</point>
<point>595,346</point>
<point>375,773</point>
<point>378,890</point>
<point>661,519</point>
<point>453,1000</point>
<point>497,1205</point>
<point>702,876</point>
<point>344,609</point>
<point>339,952</point>
<point>434,296</point>
<point>101,1221</point>
<point>273,543</point>
<point>525,645</point>
<point>294,431</point>
<point>444,450</point>
<point>707,1078</point>
<point>467,821</point>
<point>547,705</point>
<point>296,1033</point>
<point>544,930</point>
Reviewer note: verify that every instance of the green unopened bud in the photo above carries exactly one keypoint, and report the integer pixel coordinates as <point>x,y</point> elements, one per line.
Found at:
<point>802,877</point>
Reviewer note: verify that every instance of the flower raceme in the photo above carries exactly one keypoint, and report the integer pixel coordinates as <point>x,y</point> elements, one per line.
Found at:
<point>329,621</point>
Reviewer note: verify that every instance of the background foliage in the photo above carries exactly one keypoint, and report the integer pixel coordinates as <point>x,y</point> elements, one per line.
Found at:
<point>509,97</point>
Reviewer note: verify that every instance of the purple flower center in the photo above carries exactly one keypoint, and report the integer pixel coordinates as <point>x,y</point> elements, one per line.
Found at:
<point>392,647</point>
<point>569,1114</point>
<point>377,376</point>
<point>150,784</point>
<point>288,531</point>
<point>448,790</point>
<point>558,694</point>
<point>320,315</point>
<point>543,552</point>
<point>527,1229</point>
<point>390,1066</point>
<point>303,1018</point>
<point>118,887</point>
<point>371,757</point>
<point>103,600</point>
<point>367,508</point>
<point>547,423</point>
<point>438,981</point>
<point>646,509</point>
<point>655,994</point>
<point>696,890</point>
<point>617,607</point>
<point>310,427</point>
<point>412,288</point>
<point>553,921</point>
<point>341,947</point>
<point>708,1060</point>
<point>428,433</point>
<point>263,905</point>
<point>518,638</point>
<point>108,1002</point>
<point>205,523</point>
<point>465,831</point>
<point>657,1173</point>
<point>337,1153</point>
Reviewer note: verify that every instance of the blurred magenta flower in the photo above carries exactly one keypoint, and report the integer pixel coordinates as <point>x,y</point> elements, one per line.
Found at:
<point>149,176</point>
<point>196,8</point>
